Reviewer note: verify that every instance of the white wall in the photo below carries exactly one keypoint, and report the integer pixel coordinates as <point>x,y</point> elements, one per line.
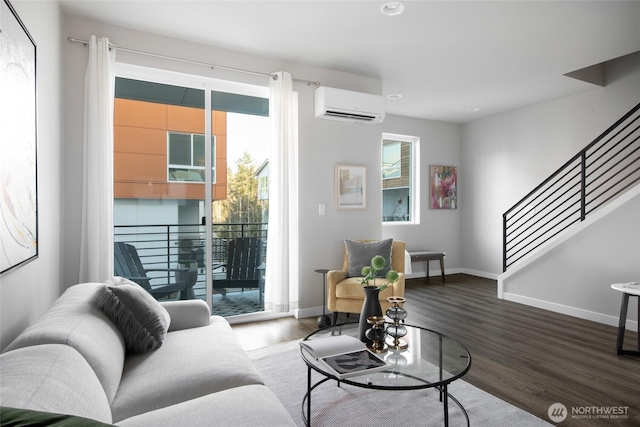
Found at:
<point>507,155</point>
<point>574,276</point>
<point>26,292</point>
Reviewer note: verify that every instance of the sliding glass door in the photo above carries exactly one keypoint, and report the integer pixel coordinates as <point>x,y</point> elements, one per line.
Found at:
<point>186,202</point>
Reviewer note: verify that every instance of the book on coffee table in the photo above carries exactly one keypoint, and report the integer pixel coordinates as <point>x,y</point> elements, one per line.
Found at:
<point>344,355</point>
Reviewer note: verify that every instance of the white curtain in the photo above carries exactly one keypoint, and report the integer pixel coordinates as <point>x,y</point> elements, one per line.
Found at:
<point>281,290</point>
<point>96,245</point>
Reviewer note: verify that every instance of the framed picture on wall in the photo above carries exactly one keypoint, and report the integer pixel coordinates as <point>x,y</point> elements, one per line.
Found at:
<point>443,182</point>
<point>18,171</point>
<point>351,187</point>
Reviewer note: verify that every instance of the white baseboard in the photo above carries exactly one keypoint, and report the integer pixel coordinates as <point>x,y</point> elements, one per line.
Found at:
<point>570,311</point>
<point>302,313</point>
<point>256,317</point>
<point>432,273</point>
<point>484,274</point>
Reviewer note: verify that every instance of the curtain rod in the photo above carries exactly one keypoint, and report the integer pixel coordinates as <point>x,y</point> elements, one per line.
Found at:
<point>189,61</point>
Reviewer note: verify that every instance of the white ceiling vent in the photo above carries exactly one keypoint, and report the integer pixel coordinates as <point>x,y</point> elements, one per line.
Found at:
<point>348,106</point>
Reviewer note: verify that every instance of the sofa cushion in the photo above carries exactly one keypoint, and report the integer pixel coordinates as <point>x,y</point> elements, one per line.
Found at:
<point>52,378</point>
<point>31,418</point>
<point>141,319</point>
<point>361,253</point>
<point>246,406</point>
<point>76,321</point>
<point>191,363</point>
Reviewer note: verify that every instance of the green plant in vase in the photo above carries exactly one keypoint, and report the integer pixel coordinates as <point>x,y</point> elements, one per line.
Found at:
<point>371,305</point>
<point>370,272</point>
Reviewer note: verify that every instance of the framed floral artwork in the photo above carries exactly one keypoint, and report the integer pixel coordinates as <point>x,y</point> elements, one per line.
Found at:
<point>443,182</point>
<point>351,189</point>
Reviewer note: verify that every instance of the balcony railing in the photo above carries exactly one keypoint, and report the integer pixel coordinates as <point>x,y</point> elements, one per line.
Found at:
<point>172,245</point>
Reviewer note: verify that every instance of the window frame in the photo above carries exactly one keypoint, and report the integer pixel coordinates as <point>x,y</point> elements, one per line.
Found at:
<point>191,166</point>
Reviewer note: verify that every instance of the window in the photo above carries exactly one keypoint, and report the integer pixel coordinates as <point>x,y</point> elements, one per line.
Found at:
<point>391,156</point>
<point>399,195</point>
<point>186,157</point>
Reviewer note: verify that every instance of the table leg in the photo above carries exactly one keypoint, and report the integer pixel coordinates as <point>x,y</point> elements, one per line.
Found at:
<point>446,405</point>
<point>324,320</point>
<point>622,322</point>
<point>308,396</point>
<point>442,268</point>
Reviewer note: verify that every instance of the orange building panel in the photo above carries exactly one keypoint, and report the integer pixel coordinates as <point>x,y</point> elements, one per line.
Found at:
<point>139,167</point>
<point>140,150</point>
<point>185,119</point>
<point>140,140</point>
<point>140,114</point>
<point>219,122</point>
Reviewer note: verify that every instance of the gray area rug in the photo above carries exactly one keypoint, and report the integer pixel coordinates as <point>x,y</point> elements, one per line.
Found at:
<point>285,373</point>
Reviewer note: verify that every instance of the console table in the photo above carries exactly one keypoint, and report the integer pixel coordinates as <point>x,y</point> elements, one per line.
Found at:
<point>428,256</point>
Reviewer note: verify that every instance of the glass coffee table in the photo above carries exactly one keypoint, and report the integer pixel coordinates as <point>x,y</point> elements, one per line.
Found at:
<point>432,360</point>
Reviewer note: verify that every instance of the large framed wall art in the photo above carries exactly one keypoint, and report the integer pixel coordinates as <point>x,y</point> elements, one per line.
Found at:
<point>18,169</point>
<point>444,187</point>
<point>351,187</point>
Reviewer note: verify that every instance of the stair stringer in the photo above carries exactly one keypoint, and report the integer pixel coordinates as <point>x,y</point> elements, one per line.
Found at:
<point>572,273</point>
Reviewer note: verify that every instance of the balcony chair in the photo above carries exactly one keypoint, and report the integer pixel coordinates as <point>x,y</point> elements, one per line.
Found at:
<point>244,267</point>
<point>344,287</point>
<point>128,265</point>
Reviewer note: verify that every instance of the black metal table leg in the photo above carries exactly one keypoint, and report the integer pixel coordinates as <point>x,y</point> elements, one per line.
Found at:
<point>323,320</point>
<point>308,397</point>
<point>622,326</point>
<point>622,322</point>
<point>446,405</point>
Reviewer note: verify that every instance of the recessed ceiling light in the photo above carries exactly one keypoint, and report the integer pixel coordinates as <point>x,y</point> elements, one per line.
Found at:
<point>394,96</point>
<point>392,8</point>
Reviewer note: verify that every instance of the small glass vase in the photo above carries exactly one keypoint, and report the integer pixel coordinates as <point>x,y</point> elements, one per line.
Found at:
<point>396,331</point>
<point>376,334</point>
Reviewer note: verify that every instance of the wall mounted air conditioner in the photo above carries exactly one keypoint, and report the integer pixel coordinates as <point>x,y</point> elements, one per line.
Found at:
<point>348,106</point>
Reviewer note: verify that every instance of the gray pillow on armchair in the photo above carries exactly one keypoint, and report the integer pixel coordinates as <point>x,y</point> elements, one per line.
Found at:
<point>360,254</point>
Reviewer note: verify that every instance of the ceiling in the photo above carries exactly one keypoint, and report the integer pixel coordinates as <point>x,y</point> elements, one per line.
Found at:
<point>444,57</point>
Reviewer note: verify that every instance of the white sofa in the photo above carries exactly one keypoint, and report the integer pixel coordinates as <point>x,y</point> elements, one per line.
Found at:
<point>73,361</point>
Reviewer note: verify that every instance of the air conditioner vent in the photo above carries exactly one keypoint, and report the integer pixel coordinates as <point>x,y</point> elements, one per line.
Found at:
<point>348,106</point>
<point>352,116</point>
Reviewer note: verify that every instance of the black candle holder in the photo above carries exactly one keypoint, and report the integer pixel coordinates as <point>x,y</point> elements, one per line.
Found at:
<point>376,334</point>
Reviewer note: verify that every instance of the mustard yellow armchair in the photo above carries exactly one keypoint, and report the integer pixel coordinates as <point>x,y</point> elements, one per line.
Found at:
<point>345,294</point>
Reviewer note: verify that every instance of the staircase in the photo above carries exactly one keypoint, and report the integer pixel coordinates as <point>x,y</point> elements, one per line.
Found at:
<point>603,171</point>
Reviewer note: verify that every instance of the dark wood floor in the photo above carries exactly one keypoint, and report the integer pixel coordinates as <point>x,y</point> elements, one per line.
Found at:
<point>526,356</point>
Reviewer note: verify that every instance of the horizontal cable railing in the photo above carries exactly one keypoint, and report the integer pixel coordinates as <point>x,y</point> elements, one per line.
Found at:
<point>602,171</point>
<point>175,245</point>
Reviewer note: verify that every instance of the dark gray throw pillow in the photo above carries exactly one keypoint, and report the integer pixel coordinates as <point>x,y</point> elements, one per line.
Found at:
<point>141,319</point>
<point>360,254</point>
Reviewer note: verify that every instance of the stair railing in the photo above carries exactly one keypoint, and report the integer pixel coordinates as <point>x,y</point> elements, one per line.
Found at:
<point>601,172</point>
